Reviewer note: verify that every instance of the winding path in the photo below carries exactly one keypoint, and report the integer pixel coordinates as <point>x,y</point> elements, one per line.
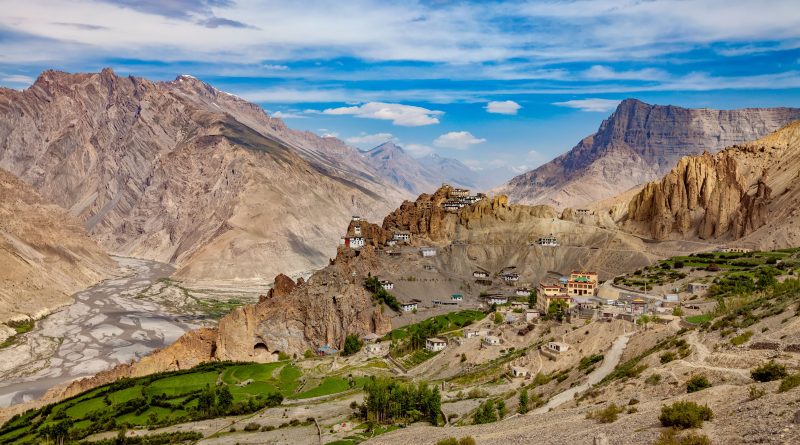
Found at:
<point>612,358</point>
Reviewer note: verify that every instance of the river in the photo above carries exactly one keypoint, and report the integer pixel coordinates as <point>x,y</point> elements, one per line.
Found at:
<point>105,326</point>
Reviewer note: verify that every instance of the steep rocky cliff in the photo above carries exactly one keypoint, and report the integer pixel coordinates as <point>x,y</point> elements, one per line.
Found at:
<point>45,255</point>
<point>731,195</point>
<point>181,172</point>
<point>636,144</point>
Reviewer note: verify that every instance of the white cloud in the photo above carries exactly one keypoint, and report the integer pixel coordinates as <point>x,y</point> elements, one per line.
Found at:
<point>600,72</point>
<point>399,114</point>
<point>459,140</point>
<point>417,150</point>
<point>288,115</point>
<point>330,134</point>
<point>535,159</point>
<point>474,164</point>
<point>595,105</point>
<point>370,140</point>
<point>275,67</point>
<point>503,107</point>
<point>519,168</point>
<point>16,79</point>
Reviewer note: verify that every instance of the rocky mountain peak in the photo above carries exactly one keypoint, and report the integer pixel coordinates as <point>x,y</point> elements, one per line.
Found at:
<point>639,142</point>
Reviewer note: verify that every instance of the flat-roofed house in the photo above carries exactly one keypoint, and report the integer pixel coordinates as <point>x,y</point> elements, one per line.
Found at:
<point>427,251</point>
<point>497,299</point>
<point>697,288</point>
<point>402,236</point>
<point>388,285</point>
<point>480,274</point>
<point>408,306</point>
<point>434,344</point>
<point>491,340</point>
<point>582,283</point>
<point>510,277</point>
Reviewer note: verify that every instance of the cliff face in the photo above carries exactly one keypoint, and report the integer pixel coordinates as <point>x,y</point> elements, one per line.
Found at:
<point>636,144</point>
<point>730,195</point>
<point>45,255</point>
<point>183,173</point>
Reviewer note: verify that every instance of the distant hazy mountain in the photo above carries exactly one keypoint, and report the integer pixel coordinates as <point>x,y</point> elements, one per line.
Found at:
<point>182,172</point>
<point>419,175</point>
<point>639,143</point>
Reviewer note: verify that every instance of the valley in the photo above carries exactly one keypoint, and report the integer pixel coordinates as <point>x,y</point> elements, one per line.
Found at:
<point>115,322</point>
<point>209,275</point>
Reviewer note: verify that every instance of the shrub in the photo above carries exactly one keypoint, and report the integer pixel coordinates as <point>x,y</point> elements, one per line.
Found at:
<point>685,415</point>
<point>608,414</point>
<point>467,440</point>
<point>653,379</point>
<point>697,383</point>
<point>670,437</point>
<point>768,372</point>
<point>352,344</point>
<point>667,357</point>
<point>448,441</point>
<point>252,426</point>
<point>308,354</point>
<point>678,312</point>
<point>741,338</point>
<point>756,392</point>
<point>283,356</point>
<point>789,382</point>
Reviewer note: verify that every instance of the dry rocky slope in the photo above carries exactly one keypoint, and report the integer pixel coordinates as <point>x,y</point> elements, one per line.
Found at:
<point>417,175</point>
<point>490,234</point>
<point>748,192</point>
<point>45,255</point>
<point>636,144</point>
<point>183,173</point>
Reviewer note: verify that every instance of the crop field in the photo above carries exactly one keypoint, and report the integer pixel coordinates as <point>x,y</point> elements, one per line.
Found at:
<point>207,391</point>
<point>444,323</point>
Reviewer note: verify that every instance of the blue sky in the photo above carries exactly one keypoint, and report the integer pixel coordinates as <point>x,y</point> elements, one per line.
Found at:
<point>502,86</point>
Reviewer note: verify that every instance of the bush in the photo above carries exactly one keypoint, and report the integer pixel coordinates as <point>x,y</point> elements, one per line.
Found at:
<point>667,357</point>
<point>653,379</point>
<point>741,338</point>
<point>352,344</point>
<point>252,426</point>
<point>685,415</point>
<point>789,382</point>
<point>468,440</point>
<point>768,372</point>
<point>608,414</point>
<point>670,437</point>
<point>755,392</point>
<point>697,383</point>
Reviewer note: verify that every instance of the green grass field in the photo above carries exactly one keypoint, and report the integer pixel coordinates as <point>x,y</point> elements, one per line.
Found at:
<point>446,322</point>
<point>699,319</point>
<point>165,399</point>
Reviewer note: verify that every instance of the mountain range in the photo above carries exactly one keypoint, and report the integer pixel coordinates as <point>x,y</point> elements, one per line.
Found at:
<point>183,173</point>
<point>638,143</point>
<point>419,175</point>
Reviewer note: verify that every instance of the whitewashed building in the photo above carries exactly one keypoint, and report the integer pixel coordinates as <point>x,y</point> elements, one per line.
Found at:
<point>427,251</point>
<point>491,340</point>
<point>435,344</point>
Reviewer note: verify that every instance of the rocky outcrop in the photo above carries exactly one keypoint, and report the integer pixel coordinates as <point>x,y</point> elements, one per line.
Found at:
<point>730,195</point>
<point>293,318</point>
<point>183,173</point>
<point>45,254</point>
<point>423,217</point>
<point>636,144</point>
